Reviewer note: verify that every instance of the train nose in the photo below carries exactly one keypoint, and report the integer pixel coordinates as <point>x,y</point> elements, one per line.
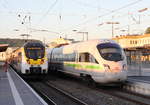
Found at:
<point>116,76</point>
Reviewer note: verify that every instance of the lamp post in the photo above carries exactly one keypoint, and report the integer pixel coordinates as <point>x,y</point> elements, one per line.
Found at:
<point>83,33</point>
<point>140,11</point>
<point>23,35</point>
<point>44,30</point>
<point>112,27</point>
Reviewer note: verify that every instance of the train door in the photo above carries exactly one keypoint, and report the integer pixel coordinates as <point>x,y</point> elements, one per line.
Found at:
<point>88,62</point>
<point>89,66</point>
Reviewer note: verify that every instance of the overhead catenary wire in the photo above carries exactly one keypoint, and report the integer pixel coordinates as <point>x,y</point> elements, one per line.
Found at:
<point>49,9</point>
<point>90,5</point>
<point>84,4</point>
<point>108,13</point>
<point>3,4</point>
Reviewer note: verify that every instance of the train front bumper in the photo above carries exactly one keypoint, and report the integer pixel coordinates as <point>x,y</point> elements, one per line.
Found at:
<point>35,70</point>
<point>109,77</point>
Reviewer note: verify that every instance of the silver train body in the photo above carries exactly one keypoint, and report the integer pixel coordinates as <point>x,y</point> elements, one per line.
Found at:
<point>31,58</point>
<point>102,60</point>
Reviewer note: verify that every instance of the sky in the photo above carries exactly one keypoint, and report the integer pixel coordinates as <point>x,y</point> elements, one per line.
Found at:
<point>49,19</point>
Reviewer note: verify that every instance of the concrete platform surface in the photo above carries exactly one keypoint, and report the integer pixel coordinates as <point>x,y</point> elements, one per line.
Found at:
<point>140,78</point>
<point>15,91</point>
<point>138,84</point>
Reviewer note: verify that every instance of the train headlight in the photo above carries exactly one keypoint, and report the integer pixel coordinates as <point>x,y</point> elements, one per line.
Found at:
<point>124,67</point>
<point>106,67</point>
<point>28,61</point>
<point>42,61</point>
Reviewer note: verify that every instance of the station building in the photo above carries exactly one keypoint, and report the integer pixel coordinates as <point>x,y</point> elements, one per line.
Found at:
<point>5,51</point>
<point>3,48</point>
<point>133,41</point>
<point>60,42</point>
<point>137,49</point>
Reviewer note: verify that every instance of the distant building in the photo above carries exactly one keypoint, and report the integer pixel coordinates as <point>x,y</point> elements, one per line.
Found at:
<point>4,55</point>
<point>137,49</point>
<point>133,41</point>
<point>3,48</point>
<point>59,42</point>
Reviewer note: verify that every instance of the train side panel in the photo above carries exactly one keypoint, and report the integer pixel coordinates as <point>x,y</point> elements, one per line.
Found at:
<point>104,65</point>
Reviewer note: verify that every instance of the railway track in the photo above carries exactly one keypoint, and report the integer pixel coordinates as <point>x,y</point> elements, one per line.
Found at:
<point>42,94</point>
<point>54,95</point>
<point>117,92</point>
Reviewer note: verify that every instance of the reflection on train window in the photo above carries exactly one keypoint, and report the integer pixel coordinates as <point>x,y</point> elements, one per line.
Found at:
<point>84,57</point>
<point>64,57</point>
<point>39,54</point>
<point>112,54</point>
<point>87,57</point>
<point>35,54</point>
<point>110,51</point>
<point>92,59</point>
<point>19,54</point>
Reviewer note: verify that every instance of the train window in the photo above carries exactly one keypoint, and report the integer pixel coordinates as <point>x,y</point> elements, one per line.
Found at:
<point>19,54</point>
<point>110,51</point>
<point>92,59</point>
<point>34,51</point>
<point>68,57</point>
<point>84,57</point>
<point>130,41</point>
<point>87,57</point>
<point>72,57</point>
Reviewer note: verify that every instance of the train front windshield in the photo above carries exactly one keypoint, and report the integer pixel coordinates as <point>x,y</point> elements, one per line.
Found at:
<point>110,51</point>
<point>34,51</point>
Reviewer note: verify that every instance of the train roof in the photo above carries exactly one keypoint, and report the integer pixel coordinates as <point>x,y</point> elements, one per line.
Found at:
<point>3,47</point>
<point>92,42</point>
<point>85,46</point>
<point>33,44</point>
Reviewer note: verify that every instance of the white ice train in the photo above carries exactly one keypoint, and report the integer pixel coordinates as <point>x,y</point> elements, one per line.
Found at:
<point>31,58</point>
<point>102,60</point>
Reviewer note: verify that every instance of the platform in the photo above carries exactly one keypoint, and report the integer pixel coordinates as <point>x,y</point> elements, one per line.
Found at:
<point>145,79</point>
<point>138,84</point>
<point>15,91</point>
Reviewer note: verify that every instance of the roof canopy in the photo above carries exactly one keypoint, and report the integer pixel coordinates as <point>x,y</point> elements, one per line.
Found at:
<point>3,47</point>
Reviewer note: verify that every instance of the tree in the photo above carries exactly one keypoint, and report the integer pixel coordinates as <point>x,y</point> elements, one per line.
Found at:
<point>147,30</point>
